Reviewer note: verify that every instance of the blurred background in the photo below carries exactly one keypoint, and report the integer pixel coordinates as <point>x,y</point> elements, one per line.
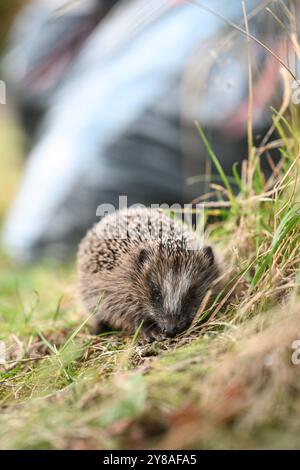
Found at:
<point>102,99</point>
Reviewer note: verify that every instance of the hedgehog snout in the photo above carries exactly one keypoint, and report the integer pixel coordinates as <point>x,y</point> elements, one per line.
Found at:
<point>171,331</point>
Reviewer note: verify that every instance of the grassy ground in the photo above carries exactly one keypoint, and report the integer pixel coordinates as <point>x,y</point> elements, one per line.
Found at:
<point>229,382</point>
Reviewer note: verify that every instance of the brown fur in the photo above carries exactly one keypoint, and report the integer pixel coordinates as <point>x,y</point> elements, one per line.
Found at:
<point>151,275</point>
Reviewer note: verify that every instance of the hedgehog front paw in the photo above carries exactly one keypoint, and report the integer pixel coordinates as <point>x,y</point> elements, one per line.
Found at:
<point>101,326</point>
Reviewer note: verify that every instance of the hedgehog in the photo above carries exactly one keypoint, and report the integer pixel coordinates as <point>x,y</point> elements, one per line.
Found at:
<point>138,268</point>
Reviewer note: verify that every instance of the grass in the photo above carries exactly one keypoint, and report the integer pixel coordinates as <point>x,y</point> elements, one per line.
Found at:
<point>228,383</point>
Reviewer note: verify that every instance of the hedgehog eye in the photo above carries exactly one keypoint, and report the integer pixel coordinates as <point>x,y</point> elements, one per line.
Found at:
<point>191,295</point>
<point>191,302</point>
<point>155,293</point>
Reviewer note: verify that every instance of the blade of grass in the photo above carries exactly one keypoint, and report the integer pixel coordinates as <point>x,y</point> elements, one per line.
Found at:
<point>217,164</point>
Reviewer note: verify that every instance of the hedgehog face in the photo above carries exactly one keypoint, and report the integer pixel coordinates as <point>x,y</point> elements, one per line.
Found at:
<point>174,284</point>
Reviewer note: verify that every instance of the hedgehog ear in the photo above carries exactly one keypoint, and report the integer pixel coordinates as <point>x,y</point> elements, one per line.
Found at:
<point>142,256</point>
<point>209,255</point>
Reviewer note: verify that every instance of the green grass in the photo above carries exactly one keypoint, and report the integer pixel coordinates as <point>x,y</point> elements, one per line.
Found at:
<point>227,383</point>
